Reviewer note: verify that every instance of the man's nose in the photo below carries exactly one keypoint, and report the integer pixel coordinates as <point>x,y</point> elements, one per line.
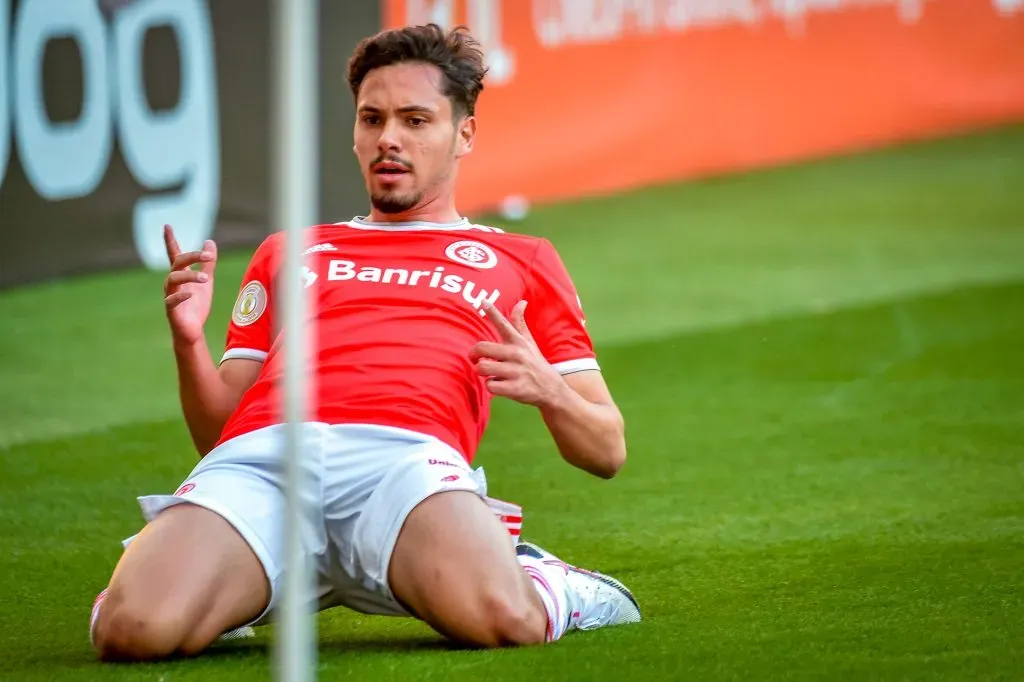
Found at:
<point>389,137</point>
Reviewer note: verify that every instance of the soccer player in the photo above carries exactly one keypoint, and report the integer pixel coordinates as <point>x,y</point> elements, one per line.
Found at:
<point>421,318</point>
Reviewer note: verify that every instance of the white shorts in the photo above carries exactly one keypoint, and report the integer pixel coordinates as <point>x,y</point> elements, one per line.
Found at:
<point>360,483</point>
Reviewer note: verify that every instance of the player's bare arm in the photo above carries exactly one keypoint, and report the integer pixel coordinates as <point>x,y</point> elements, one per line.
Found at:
<point>578,409</point>
<point>587,425</point>
<point>208,395</point>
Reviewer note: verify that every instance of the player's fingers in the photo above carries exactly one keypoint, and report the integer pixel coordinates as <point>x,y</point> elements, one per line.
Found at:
<point>518,318</point>
<point>497,370</point>
<point>210,247</point>
<point>503,388</point>
<point>190,258</point>
<point>179,277</point>
<point>177,298</point>
<point>504,327</point>
<point>494,351</point>
<point>173,250</point>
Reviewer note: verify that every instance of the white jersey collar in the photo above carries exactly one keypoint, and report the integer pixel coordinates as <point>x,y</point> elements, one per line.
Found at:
<point>362,223</point>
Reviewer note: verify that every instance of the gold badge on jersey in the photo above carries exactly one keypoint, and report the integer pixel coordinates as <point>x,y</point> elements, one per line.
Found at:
<point>251,303</point>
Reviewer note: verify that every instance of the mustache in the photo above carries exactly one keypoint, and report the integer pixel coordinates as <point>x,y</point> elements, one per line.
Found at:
<point>391,159</point>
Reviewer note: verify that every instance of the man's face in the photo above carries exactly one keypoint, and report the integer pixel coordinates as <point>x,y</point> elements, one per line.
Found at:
<point>405,138</point>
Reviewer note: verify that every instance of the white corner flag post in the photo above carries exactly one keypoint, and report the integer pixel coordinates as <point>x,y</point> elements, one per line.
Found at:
<point>294,193</point>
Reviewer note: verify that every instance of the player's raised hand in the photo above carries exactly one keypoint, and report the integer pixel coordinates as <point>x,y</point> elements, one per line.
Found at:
<point>188,293</point>
<point>515,368</point>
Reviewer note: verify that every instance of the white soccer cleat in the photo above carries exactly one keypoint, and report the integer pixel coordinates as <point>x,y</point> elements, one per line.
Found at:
<point>595,600</point>
<point>244,632</point>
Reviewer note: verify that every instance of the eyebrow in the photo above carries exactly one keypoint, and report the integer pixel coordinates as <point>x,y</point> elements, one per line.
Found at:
<point>411,109</point>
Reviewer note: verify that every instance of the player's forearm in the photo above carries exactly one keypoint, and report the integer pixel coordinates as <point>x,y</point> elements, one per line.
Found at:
<point>206,401</point>
<point>589,436</point>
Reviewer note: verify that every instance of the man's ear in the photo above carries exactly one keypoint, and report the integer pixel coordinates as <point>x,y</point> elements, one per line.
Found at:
<point>466,136</point>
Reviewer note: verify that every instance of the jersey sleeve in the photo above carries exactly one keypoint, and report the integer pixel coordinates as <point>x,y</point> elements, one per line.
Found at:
<point>250,330</point>
<point>554,314</point>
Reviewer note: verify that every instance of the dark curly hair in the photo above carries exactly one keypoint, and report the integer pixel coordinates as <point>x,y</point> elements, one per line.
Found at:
<point>456,53</point>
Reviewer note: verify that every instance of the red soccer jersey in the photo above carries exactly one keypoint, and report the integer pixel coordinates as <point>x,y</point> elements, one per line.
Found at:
<point>398,308</point>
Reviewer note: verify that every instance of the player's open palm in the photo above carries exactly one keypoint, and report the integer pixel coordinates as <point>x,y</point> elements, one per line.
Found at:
<point>188,293</point>
<point>515,368</point>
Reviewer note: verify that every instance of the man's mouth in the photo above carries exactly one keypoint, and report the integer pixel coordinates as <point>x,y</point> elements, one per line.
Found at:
<point>389,168</point>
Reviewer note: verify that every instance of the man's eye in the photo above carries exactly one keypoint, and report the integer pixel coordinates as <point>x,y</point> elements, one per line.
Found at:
<point>371,119</point>
<point>416,122</point>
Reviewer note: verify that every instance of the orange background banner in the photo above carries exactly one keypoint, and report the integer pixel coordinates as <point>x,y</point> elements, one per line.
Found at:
<point>591,96</point>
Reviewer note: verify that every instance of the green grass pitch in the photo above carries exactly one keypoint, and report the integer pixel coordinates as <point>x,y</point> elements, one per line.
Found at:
<point>822,372</point>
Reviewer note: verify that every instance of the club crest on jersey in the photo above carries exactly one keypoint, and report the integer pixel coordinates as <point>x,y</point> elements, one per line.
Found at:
<point>473,254</point>
<point>251,303</point>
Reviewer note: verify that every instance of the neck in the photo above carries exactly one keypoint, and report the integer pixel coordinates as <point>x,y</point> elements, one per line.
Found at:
<point>434,211</point>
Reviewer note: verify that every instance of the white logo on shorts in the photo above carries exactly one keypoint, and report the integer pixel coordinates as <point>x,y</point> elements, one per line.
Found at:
<point>473,254</point>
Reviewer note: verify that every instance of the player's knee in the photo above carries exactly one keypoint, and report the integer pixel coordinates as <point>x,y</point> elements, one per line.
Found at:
<point>511,621</point>
<point>124,632</point>
<point>195,643</point>
<point>200,636</point>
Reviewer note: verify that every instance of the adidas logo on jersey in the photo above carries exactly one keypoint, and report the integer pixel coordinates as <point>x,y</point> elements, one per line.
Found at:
<point>320,247</point>
<point>342,270</point>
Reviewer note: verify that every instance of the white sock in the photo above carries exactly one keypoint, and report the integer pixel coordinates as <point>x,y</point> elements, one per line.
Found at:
<point>550,583</point>
<point>95,615</point>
